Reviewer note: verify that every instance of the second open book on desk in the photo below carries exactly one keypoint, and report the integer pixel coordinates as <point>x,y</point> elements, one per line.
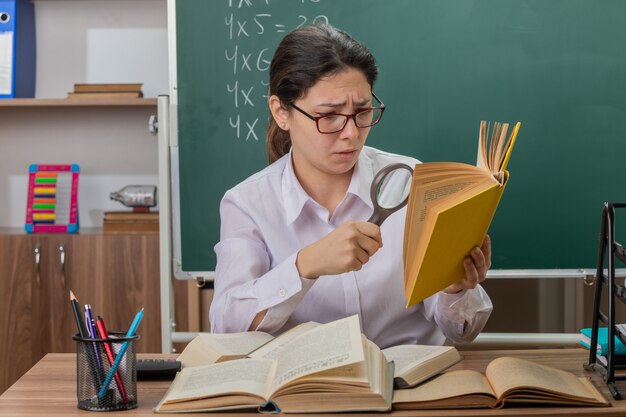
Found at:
<point>507,380</point>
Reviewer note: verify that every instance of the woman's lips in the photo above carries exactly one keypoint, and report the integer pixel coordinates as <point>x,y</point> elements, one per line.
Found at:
<point>346,155</point>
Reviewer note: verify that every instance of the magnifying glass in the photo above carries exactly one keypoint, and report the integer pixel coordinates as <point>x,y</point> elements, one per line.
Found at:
<point>390,191</point>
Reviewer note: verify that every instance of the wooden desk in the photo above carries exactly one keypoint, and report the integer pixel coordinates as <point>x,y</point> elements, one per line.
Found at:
<point>49,389</point>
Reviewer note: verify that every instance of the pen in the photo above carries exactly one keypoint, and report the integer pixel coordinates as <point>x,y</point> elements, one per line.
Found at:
<point>92,335</point>
<point>102,330</point>
<point>131,332</point>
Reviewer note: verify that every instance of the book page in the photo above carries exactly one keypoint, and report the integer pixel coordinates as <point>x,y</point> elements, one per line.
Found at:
<point>447,385</point>
<point>495,132</point>
<point>207,348</point>
<point>325,347</point>
<point>494,149</point>
<point>436,181</point>
<point>271,350</point>
<point>354,375</point>
<point>507,374</point>
<point>407,357</point>
<point>499,147</point>
<point>236,376</point>
<point>379,370</point>
<point>481,158</point>
<point>357,373</point>
<point>428,176</point>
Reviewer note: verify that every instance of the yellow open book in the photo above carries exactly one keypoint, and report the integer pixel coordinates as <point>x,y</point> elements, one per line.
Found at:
<point>450,207</point>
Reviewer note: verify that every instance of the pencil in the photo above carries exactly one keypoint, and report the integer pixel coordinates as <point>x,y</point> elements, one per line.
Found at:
<point>82,328</point>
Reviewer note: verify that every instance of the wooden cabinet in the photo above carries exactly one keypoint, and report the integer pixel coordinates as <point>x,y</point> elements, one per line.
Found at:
<point>18,292</point>
<point>116,274</point>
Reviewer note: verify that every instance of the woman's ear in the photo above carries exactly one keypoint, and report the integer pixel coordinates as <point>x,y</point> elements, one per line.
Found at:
<point>279,113</point>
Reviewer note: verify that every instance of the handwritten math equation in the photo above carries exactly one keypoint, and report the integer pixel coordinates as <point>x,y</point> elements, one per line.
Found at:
<point>252,39</point>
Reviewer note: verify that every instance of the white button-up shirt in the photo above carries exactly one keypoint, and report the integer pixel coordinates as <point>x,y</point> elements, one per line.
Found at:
<point>269,217</point>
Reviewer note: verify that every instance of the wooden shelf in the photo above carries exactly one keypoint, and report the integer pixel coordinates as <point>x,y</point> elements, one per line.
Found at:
<point>64,102</point>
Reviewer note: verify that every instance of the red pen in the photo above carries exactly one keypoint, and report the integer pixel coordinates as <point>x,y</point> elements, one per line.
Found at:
<point>102,330</point>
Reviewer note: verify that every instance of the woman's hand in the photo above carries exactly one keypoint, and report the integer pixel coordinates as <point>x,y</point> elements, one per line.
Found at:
<point>476,267</point>
<point>344,249</point>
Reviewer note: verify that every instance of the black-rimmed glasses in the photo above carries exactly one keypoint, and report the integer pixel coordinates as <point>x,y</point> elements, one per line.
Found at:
<point>335,122</point>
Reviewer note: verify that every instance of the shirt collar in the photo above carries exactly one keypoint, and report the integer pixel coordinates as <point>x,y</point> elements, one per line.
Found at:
<point>295,197</point>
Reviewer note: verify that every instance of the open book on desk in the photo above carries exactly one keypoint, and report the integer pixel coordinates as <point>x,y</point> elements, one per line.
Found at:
<point>416,363</point>
<point>450,207</point>
<point>506,381</point>
<point>328,368</point>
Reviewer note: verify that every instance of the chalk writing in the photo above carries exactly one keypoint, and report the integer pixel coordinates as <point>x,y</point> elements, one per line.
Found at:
<point>252,39</point>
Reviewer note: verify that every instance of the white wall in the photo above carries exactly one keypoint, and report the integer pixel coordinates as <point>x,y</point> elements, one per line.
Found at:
<point>101,41</point>
<point>75,40</point>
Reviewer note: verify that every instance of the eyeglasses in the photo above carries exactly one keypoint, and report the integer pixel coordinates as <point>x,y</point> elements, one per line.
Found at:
<point>335,122</point>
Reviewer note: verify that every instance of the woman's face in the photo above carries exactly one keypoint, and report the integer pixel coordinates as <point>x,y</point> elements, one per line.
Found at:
<point>320,155</point>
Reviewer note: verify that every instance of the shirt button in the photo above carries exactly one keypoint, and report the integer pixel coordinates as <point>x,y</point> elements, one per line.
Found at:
<point>282,293</point>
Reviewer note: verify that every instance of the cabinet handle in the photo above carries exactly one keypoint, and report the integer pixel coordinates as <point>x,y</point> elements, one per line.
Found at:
<point>62,252</point>
<point>37,252</point>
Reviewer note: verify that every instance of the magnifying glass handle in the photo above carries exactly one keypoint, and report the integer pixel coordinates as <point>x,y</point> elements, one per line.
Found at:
<point>377,218</point>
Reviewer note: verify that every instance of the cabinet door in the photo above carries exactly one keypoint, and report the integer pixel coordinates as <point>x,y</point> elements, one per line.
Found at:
<point>57,253</point>
<point>20,290</point>
<point>131,268</point>
<point>118,274</point>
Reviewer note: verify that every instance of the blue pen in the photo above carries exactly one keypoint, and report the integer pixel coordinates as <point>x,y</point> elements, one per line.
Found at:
<point>131,332</point>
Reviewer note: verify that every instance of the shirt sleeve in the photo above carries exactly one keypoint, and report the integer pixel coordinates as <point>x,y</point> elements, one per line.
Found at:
<point>462,316</point>
<point>244,283</point>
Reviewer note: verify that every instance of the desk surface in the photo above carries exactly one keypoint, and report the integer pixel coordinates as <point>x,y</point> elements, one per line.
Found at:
<point>49,389</point>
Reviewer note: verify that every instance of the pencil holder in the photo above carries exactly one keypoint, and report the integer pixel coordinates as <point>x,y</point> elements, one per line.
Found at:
<point>94,360</point>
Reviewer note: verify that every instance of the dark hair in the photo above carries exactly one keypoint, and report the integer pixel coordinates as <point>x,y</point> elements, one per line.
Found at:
<point>302,58</point>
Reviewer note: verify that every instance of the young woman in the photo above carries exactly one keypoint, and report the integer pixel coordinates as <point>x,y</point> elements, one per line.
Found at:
<point>295,245</point>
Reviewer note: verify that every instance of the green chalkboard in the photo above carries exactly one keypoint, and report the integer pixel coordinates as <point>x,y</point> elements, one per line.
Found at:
<point>557,66</point>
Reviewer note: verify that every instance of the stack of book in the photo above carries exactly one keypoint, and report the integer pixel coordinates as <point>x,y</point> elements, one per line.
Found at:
<point>602,345</point>
<point>130,222</point>
<point>108,91</point>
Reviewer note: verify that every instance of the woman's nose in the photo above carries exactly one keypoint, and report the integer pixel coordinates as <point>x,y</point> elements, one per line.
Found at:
<point>350,130</point>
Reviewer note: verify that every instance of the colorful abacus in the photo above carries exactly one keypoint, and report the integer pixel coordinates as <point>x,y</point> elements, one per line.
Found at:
<point>52,203</point>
